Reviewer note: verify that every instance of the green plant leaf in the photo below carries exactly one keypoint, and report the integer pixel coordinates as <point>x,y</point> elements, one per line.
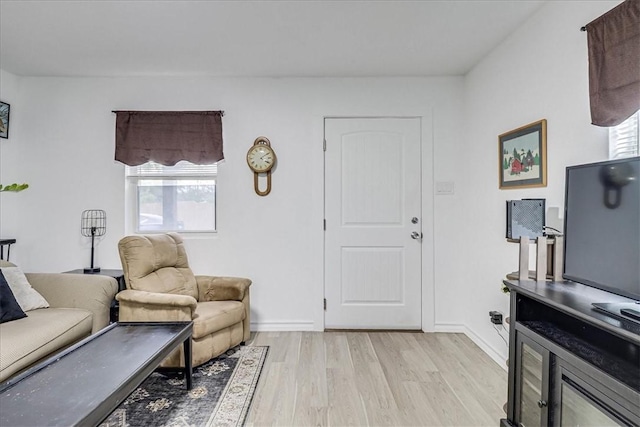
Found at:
<point>15,187</point>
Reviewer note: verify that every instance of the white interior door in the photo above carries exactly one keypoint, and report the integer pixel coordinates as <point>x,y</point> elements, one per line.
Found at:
<point>372,207</point>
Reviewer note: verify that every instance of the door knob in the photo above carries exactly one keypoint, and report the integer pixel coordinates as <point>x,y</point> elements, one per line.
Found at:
<point>415,235</point>
<point>542,403</point>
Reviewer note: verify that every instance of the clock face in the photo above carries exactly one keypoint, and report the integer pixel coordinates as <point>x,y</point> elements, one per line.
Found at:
<point>261,158</point>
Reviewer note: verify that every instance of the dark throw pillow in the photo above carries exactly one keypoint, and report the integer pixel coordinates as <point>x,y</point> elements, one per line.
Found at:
<point>9,307</point>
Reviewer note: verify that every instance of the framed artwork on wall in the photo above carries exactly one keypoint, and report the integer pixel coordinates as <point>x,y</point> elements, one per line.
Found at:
<point>4,120</point>
<point>522,156</point>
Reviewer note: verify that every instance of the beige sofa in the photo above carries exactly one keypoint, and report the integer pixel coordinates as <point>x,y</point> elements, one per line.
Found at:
<point>79,306</point>
<point>162,287</point>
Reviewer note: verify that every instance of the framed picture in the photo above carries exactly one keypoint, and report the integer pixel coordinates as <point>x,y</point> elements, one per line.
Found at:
<point>523,156</point>
<point>4,120</point>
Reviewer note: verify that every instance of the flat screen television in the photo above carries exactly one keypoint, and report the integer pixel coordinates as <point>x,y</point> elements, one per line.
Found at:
<point>602,230</point>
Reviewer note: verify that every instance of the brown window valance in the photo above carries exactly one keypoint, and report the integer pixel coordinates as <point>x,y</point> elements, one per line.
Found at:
<point>614,64</point>
<point>166,137</point>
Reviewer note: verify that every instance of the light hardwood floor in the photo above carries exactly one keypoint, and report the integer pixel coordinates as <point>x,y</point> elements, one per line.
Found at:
<point>376,379</point>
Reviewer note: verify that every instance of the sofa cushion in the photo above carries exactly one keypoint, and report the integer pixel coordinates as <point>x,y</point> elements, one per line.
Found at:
<point>9,307</point>
<point>27,297</point>
<point>212,316</point>
<point>45,331</point>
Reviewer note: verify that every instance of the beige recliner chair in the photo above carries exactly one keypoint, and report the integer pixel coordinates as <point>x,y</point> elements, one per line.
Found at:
<point>162,288</point>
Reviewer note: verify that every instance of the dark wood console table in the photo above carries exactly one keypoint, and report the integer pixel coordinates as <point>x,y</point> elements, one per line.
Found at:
<point>568,362</point>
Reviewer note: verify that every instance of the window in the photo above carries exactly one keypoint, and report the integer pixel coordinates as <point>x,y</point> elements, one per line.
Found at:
<point>173,198</point>
<point>623,139</point>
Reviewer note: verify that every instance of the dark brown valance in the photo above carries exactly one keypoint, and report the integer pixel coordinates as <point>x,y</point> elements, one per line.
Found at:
<point>614,64</point>
<point>166,137</point>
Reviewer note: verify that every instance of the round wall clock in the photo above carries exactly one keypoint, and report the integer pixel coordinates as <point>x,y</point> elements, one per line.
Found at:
<point>261,158</point>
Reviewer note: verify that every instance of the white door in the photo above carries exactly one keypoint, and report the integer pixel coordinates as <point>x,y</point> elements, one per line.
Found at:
<point>373,223</point>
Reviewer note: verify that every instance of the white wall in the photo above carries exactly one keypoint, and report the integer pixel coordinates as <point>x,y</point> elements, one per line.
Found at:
<point>64,146</point>
<point>9,88</point>
<point>539,72</point>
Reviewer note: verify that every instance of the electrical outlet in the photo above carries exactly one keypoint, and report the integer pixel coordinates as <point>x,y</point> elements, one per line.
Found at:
<point>496,317</point>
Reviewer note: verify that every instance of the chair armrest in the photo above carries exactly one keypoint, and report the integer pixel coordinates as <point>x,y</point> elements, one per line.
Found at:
<point>142,306</point>
<point>213,288</point>
<point>90,292</point>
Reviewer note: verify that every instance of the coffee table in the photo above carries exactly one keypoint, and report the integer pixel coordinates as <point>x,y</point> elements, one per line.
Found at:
<point>83,384</point>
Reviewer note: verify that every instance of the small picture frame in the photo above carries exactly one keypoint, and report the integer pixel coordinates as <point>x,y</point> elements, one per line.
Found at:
<point>522,155</point>
<point>4,120</point>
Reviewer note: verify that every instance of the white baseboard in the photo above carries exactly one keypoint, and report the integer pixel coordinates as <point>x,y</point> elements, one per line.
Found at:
<point>449,327</point>
<point>282,326</point>
<point>486,347</point>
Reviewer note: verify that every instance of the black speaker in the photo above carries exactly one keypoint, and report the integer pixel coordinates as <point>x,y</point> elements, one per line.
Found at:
<point>525,218</point>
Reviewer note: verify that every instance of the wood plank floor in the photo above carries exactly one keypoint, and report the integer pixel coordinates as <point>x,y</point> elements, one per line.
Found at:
<point>376,379</point>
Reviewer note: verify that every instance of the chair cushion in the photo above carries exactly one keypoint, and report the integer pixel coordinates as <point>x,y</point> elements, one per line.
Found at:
<point>157,263</point>
<point>212,316</point>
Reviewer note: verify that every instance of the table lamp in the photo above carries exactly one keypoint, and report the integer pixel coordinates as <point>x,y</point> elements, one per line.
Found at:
<point>94,223</point>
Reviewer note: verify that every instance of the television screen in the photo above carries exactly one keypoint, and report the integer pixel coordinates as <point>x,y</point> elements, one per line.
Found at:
<point>602,226</point>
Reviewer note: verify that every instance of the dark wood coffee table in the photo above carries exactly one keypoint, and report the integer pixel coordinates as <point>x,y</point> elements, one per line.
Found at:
<point>85,383</point>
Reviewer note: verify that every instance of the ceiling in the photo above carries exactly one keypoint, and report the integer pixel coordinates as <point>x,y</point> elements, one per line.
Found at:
<point>253,38</point>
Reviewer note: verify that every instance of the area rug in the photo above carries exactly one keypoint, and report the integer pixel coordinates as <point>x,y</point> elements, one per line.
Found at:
<point>221,394</point>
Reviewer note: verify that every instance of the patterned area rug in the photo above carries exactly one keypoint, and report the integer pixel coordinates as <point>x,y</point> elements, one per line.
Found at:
<point>221,394</point>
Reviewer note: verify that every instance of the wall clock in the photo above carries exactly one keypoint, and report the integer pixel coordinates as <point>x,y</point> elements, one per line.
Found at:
<point>261,158</point>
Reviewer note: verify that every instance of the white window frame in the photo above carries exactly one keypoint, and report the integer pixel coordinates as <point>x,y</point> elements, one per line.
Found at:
<point>152,171</point>
<point>624,138</point>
